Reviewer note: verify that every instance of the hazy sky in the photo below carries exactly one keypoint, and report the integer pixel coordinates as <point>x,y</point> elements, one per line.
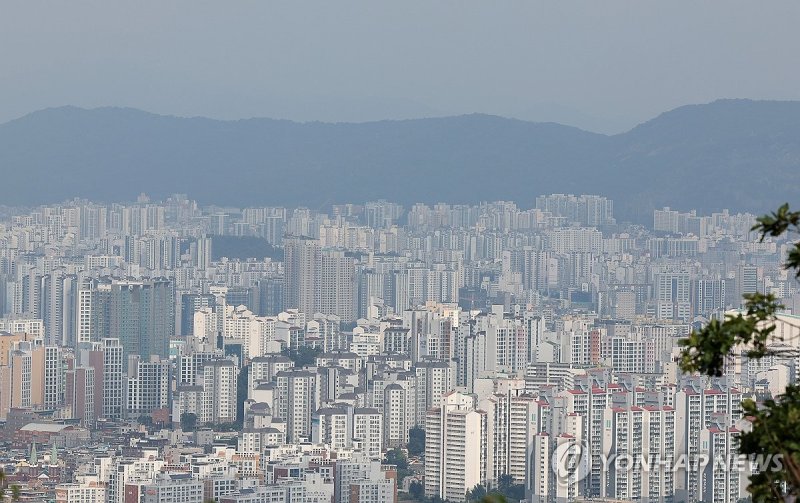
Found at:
<point>600,64</point>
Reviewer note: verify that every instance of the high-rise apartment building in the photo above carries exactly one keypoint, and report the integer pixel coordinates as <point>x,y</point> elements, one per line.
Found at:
<point>148,385</point>
<point>219,404</point>
<point>455,447</point>
<point>80,393</point>
<point>363,479</point>
<point>434,379</point>
<point>589,210</point>
<point>395,394</point>
<point>708,296</point>
<point>173,487</point>
<point>270,296</point>
<point>747,280</point>
<point>345,426</point>
<point>698,408</point>
<point>672,295</point>
<point>646,437</point>
<point>301,258</point>
<point>335,291</point>
<point>106,358</point>
<point>511,432</point>
<point>140,313</point>
<point>722,478</point>
<point>33,377</point>
<point>58,306</point>
<point>190,304</point>
<point>297,399</point>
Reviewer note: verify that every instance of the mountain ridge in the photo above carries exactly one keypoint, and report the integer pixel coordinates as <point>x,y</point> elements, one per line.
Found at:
<point>737,154</point>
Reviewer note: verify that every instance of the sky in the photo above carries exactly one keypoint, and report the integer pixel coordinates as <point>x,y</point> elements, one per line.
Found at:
<point>603,65</point>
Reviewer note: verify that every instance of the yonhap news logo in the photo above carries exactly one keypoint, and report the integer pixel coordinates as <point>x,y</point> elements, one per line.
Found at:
<point>572,462</point>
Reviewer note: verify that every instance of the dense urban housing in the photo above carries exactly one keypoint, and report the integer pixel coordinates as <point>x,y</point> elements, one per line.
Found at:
<point>164,351</point>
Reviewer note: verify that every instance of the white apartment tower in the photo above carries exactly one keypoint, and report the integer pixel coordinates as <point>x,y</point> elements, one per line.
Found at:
<point>721,479</point>
<point>149,385</point>
<point>344,426</point>
<point>639,435</point>
<point>396,396</point>
<point>113,379</point>
<point>434,380</point>
<point>697,409</point>
<point>511,433</point>
<point>455,447</point>
<point>297,399</point>
<point>219,392</point>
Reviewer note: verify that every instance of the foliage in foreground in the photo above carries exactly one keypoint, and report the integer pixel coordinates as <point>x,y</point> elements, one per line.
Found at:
<point>775,431</point>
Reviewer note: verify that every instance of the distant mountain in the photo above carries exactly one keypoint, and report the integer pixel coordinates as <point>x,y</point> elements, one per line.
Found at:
<point>737,154</point>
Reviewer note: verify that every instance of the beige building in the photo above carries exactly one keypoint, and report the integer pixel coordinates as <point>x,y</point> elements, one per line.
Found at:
<point>32,378</point>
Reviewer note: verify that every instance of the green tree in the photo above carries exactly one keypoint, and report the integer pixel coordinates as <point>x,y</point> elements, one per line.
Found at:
<point>2,485</point>
<point>396,457</point>
<point>494,497</point>
<point>504,483</point>
<point>188,421</point>
<point>775,431</point>
<point>416,441</point>
<point>477,493</point>
<point>399,459</point>
<point>16,492</point>
<point>416,490</point>
<point>303,356</point>
<point>227,427</point>
<point>516,492</point>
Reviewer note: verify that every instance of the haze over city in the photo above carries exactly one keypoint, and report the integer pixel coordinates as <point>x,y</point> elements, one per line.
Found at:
<point>382,252</point>
<point>601,66</point>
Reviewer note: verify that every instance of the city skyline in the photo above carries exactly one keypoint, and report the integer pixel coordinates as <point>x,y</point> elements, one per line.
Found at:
<point>399,252</point>
<point>512,334</point>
